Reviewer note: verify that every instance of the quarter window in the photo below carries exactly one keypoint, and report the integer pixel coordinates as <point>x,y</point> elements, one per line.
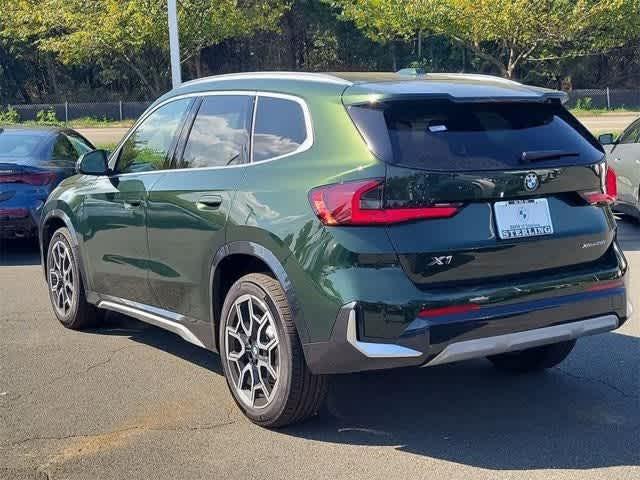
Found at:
<point>220,133</point>
<point>279,129</point>
<point>63,151</point>
<point>148,147</point>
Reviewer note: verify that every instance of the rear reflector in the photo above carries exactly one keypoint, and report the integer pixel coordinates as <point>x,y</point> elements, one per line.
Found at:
<point>609,193</point>
<point>605,285</point>
<point>36,179</point>
<point>450,310</point>
<point>361,203</point>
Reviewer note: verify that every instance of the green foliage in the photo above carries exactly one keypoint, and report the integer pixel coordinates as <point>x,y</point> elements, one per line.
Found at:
<point>9,116</point>
<point>47,117</point>
<point>102,50</point>
<point>504,33</point>
<point>585,103</point>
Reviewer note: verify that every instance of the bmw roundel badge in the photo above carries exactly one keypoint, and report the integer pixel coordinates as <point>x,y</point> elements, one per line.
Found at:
<point>531,182</point>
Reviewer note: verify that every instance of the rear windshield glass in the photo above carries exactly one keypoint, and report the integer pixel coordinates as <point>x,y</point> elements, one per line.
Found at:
<point>446,135</point>
<point>13,146</point>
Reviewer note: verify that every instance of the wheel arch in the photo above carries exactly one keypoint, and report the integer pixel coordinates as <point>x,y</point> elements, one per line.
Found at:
<point>50,222</point>
<point>252,258</point>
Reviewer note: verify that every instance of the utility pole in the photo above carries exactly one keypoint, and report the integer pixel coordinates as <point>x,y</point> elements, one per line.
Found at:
<point>174,44</point>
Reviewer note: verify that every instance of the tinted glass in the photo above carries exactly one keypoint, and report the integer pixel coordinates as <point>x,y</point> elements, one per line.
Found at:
<point>18,145</point>
<point>445,135</point>
<point>631,135</point>
<point>148,146</point>
<point>279,129</point>
<point>63,151</point>
<point>79,144</point>
<point>220,133</point>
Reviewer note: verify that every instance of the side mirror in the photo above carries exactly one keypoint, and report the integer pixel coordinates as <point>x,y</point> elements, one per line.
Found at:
<point>93,163</point>
<point>606,139</point>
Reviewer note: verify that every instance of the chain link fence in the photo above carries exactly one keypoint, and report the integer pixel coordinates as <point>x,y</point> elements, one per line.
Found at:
<point>112,111</point>
<point>130,110</point>
<point>605,98</point>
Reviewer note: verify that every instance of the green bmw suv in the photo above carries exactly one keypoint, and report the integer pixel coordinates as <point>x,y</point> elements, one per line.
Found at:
<point>304,225</point>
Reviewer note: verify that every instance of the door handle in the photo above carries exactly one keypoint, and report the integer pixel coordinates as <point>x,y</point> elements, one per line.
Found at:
<point>132,202</point>
<point>209,201</point>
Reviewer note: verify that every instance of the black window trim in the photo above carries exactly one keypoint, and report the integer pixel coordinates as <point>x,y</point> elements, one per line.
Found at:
<point>306,144</point>
<point>190,120</point>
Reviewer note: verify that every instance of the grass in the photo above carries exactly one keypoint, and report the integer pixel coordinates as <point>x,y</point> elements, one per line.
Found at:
<point>86,122</point>
<point>106,146</point>
<point>589,112</point>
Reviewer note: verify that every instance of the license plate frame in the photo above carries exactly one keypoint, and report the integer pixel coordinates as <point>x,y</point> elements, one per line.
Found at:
<point>523,218</point>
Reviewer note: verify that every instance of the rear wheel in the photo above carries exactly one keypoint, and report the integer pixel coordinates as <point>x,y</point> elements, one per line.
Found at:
<point>66,290</point>
<point>262,356</point>
<point>533,359</point>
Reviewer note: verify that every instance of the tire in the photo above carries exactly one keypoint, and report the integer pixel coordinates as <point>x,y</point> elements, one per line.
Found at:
<point>64,282</point>
<point>533,359</point>
<point>263,359</point>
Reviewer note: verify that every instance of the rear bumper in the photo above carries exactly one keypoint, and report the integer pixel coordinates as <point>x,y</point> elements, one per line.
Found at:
<point>568,311</point>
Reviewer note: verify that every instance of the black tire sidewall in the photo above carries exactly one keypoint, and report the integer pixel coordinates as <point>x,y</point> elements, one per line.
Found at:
<point>68,320</point>
<point>278,404</point>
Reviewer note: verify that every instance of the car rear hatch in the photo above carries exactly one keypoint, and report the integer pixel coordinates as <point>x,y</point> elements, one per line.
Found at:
<point>506,187</point>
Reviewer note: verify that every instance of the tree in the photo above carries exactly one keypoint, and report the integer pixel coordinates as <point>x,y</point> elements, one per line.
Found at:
<point>504,33</point>
<point>133,33</point>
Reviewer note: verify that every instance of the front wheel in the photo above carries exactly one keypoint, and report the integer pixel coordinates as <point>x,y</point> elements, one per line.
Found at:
<point>66,290</point>
<point>262,356</point>
<point>533,359</point>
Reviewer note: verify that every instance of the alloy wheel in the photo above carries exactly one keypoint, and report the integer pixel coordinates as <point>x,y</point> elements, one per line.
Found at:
<point>252,351</point>
<point>61,280</point>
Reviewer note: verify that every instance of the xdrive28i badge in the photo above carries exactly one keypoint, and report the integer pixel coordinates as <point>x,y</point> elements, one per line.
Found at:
<point>531,182</point>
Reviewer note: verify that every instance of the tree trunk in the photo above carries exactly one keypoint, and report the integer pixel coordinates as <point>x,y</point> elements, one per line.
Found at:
<point>419,44</point>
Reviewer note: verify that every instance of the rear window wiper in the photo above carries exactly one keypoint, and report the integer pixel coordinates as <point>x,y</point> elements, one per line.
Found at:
<point>538,155</point>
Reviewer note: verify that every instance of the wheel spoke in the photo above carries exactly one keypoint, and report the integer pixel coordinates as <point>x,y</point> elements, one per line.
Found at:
<point>251,351</point>
<point>245,328</point>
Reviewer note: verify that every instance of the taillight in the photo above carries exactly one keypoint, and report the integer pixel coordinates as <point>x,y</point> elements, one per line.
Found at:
<point>36,179</point>
<point>450,310</point>
<point>609,191</point>
<point>361,203</point>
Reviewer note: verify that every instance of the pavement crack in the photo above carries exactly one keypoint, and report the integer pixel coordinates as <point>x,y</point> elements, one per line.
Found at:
<point>111,355</point>
<point>597,380</point>
<point>75,436</point>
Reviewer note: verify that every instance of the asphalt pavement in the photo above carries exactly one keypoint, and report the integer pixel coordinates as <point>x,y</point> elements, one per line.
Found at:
<point>128,400</point>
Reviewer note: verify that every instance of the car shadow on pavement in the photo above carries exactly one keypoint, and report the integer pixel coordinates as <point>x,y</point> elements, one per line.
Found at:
<point>583,414</point>
<point>121,325</point>
<point>23,251</point>
<point>628,233</point>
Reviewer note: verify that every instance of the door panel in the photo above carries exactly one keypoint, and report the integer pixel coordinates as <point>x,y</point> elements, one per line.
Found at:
<point>115,207</point>
<point>188,208</point>
<point>115,235</point>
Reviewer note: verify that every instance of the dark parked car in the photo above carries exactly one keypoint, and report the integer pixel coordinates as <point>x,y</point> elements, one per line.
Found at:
<point>32,163</point>
<point>309,224</point>
<point>624,156</point>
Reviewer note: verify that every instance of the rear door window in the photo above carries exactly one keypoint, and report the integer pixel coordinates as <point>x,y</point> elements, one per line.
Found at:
<point>280,128</point>
<point>219,135</point>
<point>454,136</point>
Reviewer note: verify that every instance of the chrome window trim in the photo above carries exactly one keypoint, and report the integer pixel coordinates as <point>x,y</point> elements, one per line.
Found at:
<point>306,145</point>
